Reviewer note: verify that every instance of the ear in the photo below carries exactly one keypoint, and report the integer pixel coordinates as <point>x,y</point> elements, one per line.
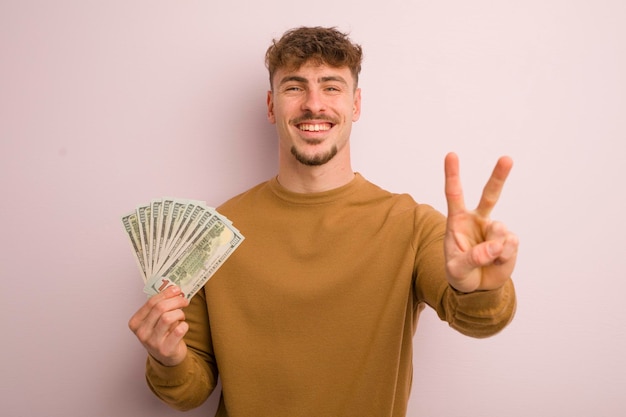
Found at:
<point>270,108</point>
<point>356,112</point>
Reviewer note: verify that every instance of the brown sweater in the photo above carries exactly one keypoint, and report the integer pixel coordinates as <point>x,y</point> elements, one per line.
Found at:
<point>315,312</point>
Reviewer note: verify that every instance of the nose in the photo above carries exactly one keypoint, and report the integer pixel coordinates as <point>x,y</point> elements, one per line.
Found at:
<point>313,102</point>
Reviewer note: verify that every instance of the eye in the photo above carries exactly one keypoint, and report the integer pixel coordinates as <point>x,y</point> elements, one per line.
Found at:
<point>332,89</point>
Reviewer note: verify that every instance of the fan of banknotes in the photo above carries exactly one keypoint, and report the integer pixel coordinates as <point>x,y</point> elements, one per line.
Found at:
<point>179,242</point>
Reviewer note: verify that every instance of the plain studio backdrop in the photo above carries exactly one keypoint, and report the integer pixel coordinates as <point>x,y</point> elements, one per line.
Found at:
<point>107,105</point>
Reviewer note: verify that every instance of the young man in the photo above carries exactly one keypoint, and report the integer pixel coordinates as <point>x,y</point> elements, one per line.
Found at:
<point>314,314</point>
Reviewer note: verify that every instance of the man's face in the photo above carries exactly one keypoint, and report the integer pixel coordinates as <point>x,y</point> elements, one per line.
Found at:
<point>313,108</point>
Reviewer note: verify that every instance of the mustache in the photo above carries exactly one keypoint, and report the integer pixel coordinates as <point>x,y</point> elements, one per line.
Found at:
<point>309,116</point>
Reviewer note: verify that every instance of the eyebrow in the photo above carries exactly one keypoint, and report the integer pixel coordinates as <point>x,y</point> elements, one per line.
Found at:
<point>303,80</point>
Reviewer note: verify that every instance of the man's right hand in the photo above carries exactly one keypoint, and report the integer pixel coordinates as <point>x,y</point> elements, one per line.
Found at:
<point>160,326</point>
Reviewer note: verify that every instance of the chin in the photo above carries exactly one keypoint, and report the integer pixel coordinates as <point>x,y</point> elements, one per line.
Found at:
<point>316,159</point>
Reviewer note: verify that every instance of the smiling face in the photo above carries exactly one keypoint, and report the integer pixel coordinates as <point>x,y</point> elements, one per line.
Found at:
<point>313,108</point>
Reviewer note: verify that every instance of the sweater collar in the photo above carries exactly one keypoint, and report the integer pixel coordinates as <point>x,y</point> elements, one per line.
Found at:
<point>323,197</point>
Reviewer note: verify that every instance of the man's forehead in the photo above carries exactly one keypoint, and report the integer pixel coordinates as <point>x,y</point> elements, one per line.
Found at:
<point>314,72</point>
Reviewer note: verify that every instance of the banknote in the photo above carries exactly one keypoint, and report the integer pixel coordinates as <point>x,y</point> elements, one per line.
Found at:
<point>179,242</point>
<point>132,229</point>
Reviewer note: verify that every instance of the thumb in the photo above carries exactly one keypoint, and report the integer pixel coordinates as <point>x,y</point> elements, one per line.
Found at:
<point>494,249</point>
<point>485,253</point>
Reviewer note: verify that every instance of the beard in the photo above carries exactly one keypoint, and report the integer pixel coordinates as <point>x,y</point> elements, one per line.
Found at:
<point>314,160</point>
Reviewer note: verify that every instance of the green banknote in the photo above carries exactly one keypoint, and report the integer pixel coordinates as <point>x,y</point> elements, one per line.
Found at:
<point>179,242</point>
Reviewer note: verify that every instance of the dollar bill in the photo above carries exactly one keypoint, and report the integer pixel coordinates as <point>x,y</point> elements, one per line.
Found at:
<point>132,230</point>
<point>163,215</point>
<point>143,216</point>
<point>179,242</point>
<point>155,211</point>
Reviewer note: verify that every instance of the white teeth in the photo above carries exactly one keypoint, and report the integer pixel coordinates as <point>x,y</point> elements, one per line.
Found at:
<point>315,128</point>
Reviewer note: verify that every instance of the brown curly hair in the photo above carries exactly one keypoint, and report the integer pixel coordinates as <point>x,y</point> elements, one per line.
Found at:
<point>322,45</point>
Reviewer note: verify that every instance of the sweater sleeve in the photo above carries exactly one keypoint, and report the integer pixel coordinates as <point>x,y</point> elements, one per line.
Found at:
<point>477,314</point>
<point>480,313</point>
<point>189,384</point>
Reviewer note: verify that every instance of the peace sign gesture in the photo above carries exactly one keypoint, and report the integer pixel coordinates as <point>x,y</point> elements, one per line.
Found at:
<point>480,253</point>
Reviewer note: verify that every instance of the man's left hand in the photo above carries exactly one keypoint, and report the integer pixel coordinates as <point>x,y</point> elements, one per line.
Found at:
<point>480,253</point>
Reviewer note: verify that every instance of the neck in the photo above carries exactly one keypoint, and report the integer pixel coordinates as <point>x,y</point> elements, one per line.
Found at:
<point>300,178</point>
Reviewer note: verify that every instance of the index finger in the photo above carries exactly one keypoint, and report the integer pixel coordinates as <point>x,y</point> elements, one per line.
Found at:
<point>453,189</point>
<point>493,188</point>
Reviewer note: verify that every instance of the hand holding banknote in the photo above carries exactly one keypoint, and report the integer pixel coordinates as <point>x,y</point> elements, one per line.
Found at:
<point>178,246</point>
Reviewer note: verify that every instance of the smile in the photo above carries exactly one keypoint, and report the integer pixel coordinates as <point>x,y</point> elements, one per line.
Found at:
<point>315,127</point>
